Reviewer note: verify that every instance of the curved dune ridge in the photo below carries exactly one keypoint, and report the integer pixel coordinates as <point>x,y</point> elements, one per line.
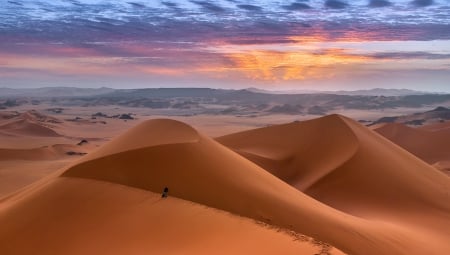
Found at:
<point>370,178</point>
<point>30,123</point>
<point>385,200</point>
<point>431,144</point>
<point>26,127</point>
<point>299,153</point>
<point>361,172</point>
<point>148,134</point>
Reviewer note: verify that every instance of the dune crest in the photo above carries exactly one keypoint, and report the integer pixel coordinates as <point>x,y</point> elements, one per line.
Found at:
<point>148,134</point>
<point>27,128</point>
<point>30,123</point>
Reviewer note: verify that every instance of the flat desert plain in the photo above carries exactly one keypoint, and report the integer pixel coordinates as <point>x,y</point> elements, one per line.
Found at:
<point>72,183</point>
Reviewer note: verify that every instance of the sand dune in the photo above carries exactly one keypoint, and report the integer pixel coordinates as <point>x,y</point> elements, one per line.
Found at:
<point>21,167</point>
<point>300,153</point>
<point>17,174</point>
<point>26,128</point>
<point>53,152</point>
<point>360,172</point>
<point>431,144</point>
<point>30,123</point>
<point>436,126</point>
<point>385,200</point>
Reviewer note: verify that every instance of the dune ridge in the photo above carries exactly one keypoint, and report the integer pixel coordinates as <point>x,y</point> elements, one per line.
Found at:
<point>282,149</point>
<point>347,145</point>
<point>431,144</point>
<point>27,128</point>
<point>331,201</point>
<point>378,180</point>
<point>29,123</point>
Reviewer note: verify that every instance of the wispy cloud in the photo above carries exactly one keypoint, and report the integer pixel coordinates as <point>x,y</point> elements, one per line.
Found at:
<point>335,4</point>
<point>209,6</point>
<point>249,7</point>
<point>379,3</point>
<point>296,6</point>
<point>422,3</point>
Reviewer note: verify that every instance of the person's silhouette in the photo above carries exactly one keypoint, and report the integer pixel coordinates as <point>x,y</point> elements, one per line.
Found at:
<point>165,192</point>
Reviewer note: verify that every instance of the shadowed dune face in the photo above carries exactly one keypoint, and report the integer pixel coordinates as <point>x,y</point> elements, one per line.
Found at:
<point>385,200</point>
<point>299,153</point>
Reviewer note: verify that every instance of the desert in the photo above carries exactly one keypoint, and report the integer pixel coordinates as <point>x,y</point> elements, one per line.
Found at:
<point>242,127</point>
<point>75,181</point>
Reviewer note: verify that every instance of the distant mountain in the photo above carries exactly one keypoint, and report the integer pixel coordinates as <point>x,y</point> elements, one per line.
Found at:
<point>281,92</point>
<point>439,114</point>
<point>54,92</point>
<point>382,92</point>
<point>185,92</point>
<point>369,92</point>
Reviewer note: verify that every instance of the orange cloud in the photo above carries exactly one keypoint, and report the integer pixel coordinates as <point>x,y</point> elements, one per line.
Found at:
<point>276,65</point>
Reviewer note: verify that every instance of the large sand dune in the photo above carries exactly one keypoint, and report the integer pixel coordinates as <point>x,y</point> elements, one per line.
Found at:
<point>350,188</point>
<point>347,166</point>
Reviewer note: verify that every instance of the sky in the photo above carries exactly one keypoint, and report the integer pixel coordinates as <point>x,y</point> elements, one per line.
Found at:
<point>275,45</point>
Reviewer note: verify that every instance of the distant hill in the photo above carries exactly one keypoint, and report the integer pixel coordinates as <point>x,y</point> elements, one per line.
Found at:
<point>53,92</point>
<point>369,92</point>
<point>219,101</point>
<point>439,114</point>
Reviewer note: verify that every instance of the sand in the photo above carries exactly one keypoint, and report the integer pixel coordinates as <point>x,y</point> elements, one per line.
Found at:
<point>430,143</point>
<point>105,218</point>
<point>33,145</point>
<point>330,178</point>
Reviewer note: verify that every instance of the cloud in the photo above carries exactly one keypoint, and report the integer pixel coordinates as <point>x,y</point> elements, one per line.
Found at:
<point>409,55</point>
<point>335,4</point>
<point>249,7</point>
<point>209,6</point>
<point>137,5</point>
<point>15,3</point>
<point>296,7</point>
<point>422,3</point>
<point>170,4</point>
<point>188,25</point>
<point>379,3</point>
